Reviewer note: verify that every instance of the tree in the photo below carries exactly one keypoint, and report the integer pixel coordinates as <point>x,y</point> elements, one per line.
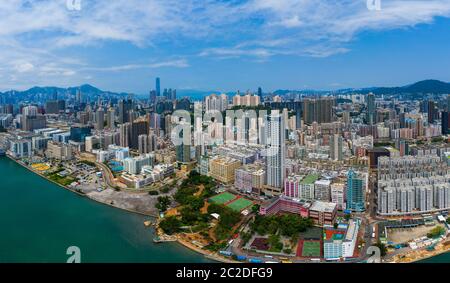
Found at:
<point>347,216</point>
<point>382,247</point>
<point>163,203</point>
<point>255,208</point>
<point>436,232</point>
<point>170,225</point>
<point>189,216</point>
<point>448,220</point>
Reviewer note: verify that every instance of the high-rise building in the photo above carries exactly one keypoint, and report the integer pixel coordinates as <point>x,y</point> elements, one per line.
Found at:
<point>370,115</point>
<point>276,149</point>
<point>79,134</point>
<point>110,118</point>
<point>183,153</point>
<point>216,102</point>
<point>125,107</point>
<point>445,123</point>
<point>431,111</point>
<point>158,87</point>
<point>260,94</point>
<point>31,120</point>
<point>336,147</point>
<point>143,144</point>
<point>355,193</point>
<point>448,103</point>
<point>138,127</point>
<point>99,119</point>
<point>152,96</point>
<point>125,134</point>
<point>318,110</point>
<point>55,106</point>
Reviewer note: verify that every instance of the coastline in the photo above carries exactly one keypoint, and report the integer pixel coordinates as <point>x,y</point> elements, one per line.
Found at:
<point>180,241</point>
<point>205,253</point>
<point>78,193</point>
<point>427,255</point>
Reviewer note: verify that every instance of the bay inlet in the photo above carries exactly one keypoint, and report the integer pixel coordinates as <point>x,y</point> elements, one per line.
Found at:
<point>39,221</point>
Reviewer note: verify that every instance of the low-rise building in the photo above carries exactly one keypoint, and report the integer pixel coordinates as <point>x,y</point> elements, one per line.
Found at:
<point>323,213</point>
<point>250,178</point>
<point>223,168</point>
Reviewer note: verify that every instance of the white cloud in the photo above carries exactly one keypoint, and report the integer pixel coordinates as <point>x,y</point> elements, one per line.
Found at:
<point>33,32</point>
<point>23,67</point>
<point>181,63</point>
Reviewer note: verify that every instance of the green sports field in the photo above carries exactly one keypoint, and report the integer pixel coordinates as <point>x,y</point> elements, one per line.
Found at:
<point>311,249</point>
<point>222,198</point>
<point>240,204</point>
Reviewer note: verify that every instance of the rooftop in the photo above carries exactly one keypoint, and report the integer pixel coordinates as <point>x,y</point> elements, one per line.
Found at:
<point>323,206</point>
<point>310,179</point>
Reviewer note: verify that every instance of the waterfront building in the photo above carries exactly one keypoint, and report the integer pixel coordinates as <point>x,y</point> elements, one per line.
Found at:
<point>39,143</point>
<point>59,151</point>
<point>134,165</point>
<point>20,148</point>
<point>413,184</point>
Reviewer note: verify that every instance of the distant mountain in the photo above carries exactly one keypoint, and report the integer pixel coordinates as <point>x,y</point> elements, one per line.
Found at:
<point>422,87</point>
<point>418,88</point>
<point>36,93</point>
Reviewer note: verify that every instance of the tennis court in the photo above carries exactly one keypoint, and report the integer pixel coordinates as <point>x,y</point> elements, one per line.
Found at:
<point>311,249</point>
<point>240,204</point>
<point>222,198</point>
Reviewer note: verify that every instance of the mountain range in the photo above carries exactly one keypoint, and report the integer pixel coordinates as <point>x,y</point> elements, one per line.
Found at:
<point>418,88</point>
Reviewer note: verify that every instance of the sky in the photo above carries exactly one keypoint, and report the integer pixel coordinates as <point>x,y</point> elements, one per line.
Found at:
<point>123,45</point>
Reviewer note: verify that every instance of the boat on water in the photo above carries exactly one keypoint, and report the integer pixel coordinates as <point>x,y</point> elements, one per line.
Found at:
<point>147,223</point>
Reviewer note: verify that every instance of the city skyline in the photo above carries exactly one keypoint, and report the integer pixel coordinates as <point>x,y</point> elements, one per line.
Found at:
<point>218,45</point>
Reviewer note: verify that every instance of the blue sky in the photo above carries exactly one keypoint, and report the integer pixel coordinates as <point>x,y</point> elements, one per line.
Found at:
<point>122,45</point>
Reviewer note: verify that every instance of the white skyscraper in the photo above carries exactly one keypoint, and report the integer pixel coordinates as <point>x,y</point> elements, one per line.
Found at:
<point>276,148</point>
